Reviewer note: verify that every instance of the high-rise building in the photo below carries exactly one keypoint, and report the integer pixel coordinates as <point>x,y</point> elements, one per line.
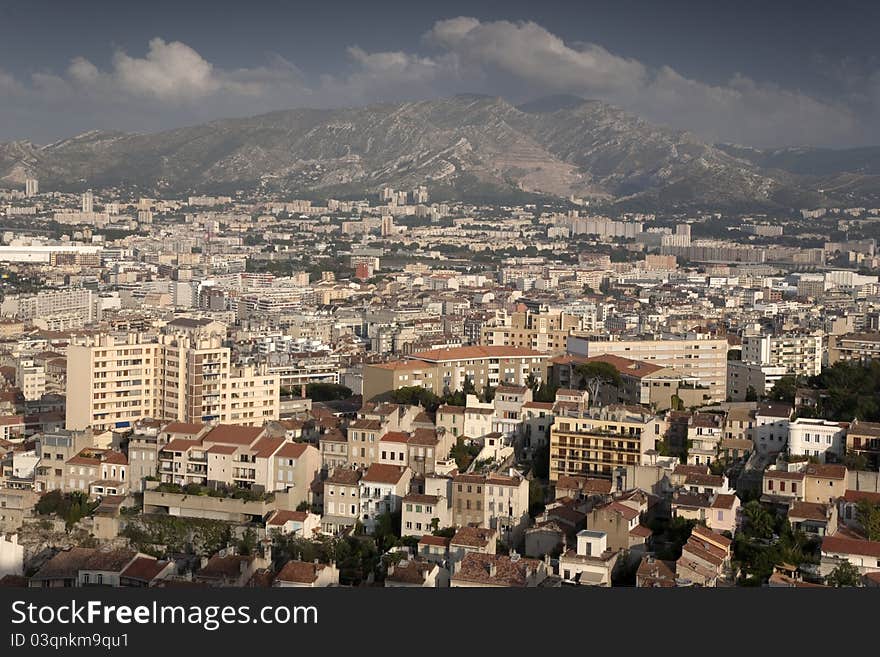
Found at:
<point>88,202</point>
<point>31,187</point>
<point>387,225</point>
<point>118,380</point>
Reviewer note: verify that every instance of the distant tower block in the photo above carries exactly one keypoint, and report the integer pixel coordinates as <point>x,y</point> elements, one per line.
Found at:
<point>31,187</point>
<point>88,202</point>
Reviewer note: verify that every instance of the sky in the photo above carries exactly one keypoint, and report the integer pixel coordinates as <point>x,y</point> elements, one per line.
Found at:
<point>763,74</point>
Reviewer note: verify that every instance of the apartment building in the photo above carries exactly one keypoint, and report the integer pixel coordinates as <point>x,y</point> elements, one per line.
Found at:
<point>55,450</point>
<point>234,456</point>
<point>703,359</point>
<point>497,501</point>
<point>171,377</point>
<point>440,370</point>
<point>76,306</point>
<point>30,377</point>
<point>96,472</point>
<point>423,514</point>
<point>595,442</point>
<point>545,332</point>
<point>854,347</point>
<point>798,354</point>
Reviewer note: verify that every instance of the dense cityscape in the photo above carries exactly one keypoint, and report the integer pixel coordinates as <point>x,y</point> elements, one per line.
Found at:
<point>264,390</point>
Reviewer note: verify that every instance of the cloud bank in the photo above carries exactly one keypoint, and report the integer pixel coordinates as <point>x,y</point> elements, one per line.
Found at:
<point>172,84</point>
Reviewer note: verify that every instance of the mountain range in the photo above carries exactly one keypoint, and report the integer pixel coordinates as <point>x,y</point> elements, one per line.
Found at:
<point>467,146</point>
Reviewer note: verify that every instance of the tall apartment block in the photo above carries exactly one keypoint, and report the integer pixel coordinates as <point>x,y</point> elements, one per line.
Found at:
<point>116,380</point>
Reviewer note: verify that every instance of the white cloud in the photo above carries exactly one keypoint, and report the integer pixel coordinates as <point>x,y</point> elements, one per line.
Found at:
<point>171,83</point>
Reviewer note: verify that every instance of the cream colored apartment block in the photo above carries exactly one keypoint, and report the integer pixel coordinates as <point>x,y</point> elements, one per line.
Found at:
<point>113,382</point>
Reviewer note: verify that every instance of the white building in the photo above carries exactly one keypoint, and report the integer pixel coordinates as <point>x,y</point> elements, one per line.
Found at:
<point>819,438</point>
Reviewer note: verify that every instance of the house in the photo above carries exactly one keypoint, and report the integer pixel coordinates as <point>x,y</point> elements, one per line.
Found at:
<point>434,548</point>
<point>770,430</point>
<point>484,570</point>
<point>334,450</point>
<point>616,520</point>
<point>577,487</point>
<point>342,500</point>
<point>145,571</point>
<point>864,555</point>
<point>655,573</point>
<point>482,540</point>
<point>847,507</point>
<point>382,489</point>
<point>782,486</point>
<point>416,573</point>
<point>299,523</point>
<point>824,483</point>
<point>423,513</point>
<point>820,438</point>
<point>84,567</point>
<point>724,514</point>
<point>813,518</point>
<point>863,439</point>
<point>304,574</point>
<point>704,558</point>
<point>591,562</point>
<point>228,570</point>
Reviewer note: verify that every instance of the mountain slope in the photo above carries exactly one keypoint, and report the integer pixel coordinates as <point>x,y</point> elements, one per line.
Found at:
<point>558,146</point>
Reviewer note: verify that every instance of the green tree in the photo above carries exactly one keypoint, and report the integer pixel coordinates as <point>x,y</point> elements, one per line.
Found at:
<point>759,521</point>
<point>868,515</point>
<point>785,389</point>
<point>586,372</point>
<point>844,575</point>
<point>322,392</point>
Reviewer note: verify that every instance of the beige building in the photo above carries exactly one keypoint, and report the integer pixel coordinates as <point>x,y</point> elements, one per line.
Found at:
<point>241,457</point>
<point>113,382</point>
<point>703,359</point>
<point>442,370</point>
<point>542,332</point>
<point>594,442</point>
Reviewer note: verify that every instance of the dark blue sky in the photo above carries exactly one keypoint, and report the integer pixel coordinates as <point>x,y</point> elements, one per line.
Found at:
<point>688,54</point>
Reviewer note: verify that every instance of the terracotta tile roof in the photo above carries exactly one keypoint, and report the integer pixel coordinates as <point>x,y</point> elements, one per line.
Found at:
<point>808,511</point>
<point>231,434</point>
<point>292,450</point>
<point>344,476</point>
<point>183,427</point>
<point>222,449</point>
<point>384,474</point>
<point>440,541</point>
<point>180,445</point>
<point>300,572</point>
<point>144,569</point>
<point>281,517</point>
<point>477,568</point>
<point>395,437</point>
<point>477,537</point>
<point>839,545</point>
<point>826,470</point>
<point>267,446</point>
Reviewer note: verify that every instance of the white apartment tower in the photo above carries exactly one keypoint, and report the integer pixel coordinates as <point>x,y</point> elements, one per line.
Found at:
<point>31,187</point>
